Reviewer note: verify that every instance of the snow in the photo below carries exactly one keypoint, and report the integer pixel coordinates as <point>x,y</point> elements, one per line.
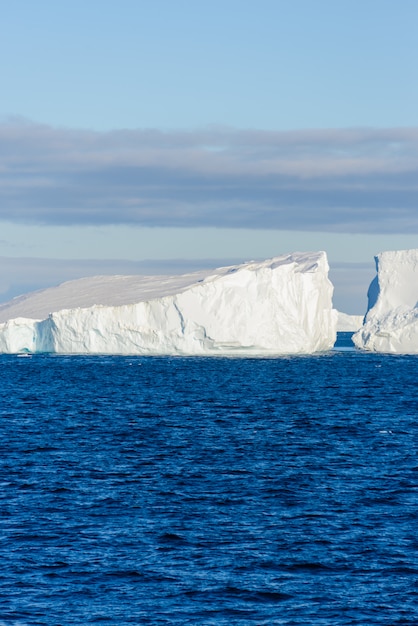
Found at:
<point>391,323</point>
<point>278,306</point>
<point>349,323</point>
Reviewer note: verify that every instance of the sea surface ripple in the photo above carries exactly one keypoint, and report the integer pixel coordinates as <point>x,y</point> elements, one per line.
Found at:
<point>209,491</point>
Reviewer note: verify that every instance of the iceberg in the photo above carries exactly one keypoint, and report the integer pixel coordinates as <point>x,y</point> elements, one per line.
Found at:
<point>391,322</point>
<point>274,307</point>
<point>349,323</point>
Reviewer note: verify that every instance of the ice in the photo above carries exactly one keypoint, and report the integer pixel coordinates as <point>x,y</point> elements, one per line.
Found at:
<point>391,323</point>
<point>349,323</point>
<point>279,306</point>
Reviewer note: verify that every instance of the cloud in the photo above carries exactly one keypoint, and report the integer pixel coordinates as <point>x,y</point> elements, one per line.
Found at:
<point>353,180</point>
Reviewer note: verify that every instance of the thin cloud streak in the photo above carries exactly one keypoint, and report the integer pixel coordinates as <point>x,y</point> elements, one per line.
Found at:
<point>342,180</point>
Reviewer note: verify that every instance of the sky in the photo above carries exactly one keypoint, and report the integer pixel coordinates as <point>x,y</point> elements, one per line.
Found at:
<point>163,137</point>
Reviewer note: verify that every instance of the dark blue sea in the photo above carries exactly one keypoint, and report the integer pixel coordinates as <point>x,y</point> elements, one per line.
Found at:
<point>209,491</point>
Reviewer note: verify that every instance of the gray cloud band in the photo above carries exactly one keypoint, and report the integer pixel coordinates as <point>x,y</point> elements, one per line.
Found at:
<point>359,180</point>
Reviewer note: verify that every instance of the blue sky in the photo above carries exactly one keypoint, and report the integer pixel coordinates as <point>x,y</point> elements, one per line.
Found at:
<point>166,136</point>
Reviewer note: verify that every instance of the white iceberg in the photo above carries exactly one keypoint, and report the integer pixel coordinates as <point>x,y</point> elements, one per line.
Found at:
<point>279,306</point>
<point>391,322</point>
<point>349,323</point>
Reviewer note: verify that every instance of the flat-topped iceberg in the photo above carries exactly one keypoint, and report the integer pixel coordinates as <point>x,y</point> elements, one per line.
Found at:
<point>349,323</point>
<point>279,306</point>
<point>391,323</point>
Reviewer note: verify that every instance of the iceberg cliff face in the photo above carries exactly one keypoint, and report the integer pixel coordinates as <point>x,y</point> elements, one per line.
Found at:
<point>279,306</point>
<point>391,322</point>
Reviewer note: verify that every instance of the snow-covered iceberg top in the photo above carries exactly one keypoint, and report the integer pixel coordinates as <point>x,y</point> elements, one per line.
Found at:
<point>279,306</point>
<point>391,323</point>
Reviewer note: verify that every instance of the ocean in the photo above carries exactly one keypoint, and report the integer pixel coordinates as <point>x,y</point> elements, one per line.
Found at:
<point>213,491</point>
